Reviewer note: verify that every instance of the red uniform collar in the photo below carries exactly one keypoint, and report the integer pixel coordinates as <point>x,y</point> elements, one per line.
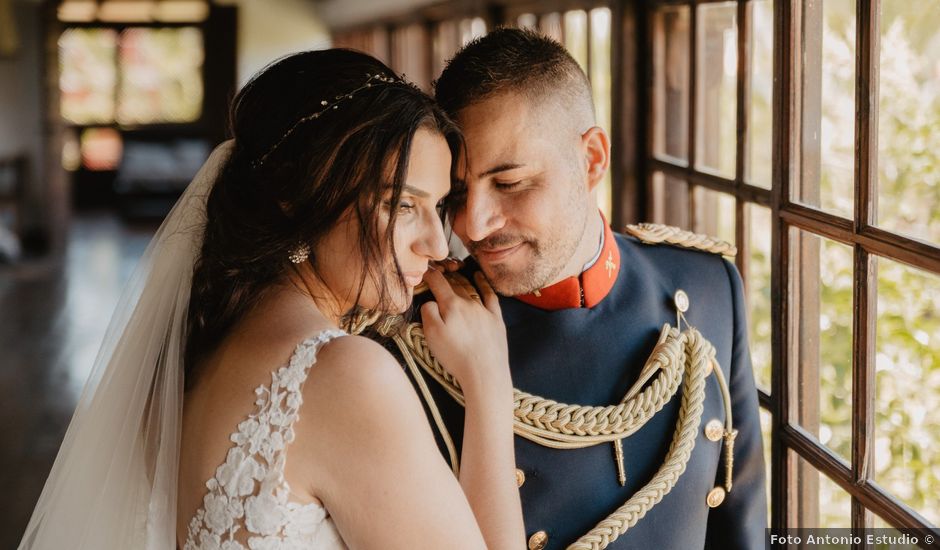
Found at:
<point>585,290</point>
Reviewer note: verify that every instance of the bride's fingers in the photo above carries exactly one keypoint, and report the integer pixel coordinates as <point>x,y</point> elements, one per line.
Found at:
<point>490,300</point>
<point>439,286</point>
<point>430,317</point>
<point>449,265</point>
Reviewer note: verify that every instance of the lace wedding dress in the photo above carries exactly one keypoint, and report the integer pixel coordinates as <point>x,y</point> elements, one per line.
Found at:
<point>248,505</point>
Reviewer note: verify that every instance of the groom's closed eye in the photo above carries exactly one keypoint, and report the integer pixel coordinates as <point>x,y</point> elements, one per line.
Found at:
<point>505,186</point>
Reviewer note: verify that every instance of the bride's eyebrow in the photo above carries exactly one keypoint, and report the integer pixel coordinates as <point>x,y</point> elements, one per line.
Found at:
<point>420,193</point>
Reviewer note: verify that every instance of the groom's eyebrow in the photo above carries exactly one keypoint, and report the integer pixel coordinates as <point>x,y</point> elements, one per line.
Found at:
<point>504,167</point>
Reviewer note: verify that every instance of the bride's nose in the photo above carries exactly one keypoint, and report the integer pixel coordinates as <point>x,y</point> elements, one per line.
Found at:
<point>431,242</point>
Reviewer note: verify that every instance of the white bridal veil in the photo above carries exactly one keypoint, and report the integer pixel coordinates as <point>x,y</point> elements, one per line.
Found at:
<point>113,484</point>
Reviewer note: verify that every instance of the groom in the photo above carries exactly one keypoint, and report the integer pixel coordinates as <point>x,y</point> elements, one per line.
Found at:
<point>583,308</point>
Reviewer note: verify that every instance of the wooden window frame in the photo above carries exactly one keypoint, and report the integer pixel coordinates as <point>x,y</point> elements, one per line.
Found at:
<point>790,441</point>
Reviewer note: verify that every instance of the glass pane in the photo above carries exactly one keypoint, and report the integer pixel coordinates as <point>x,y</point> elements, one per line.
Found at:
<point>471,28</point>
<point>899,542</point>
<point>822,348</point>
<point>908,116</point>
<point>670,201</point>
<point>550,26</point>
<point>527,21</point>
<point>714,214</point>
<point>161,75</point>
<point>576,39</point>
<point>716,87</point>
<point>87,75</point>
<point>820,502</point>
<point>894,539</point>
<point>477,27</point>
<point>757,168</point>
<point>446,43</point>
<point>828,150</point>
<point>600,85</point>
<point>671,82</point>
<point>907,389</point>
<point>757,279</point>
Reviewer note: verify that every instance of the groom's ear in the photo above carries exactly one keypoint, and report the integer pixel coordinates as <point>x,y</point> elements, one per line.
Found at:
<point>595,145</point>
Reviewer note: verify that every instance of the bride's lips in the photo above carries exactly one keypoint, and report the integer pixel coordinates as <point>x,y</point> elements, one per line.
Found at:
<point>413,278</point>
<point>496,254</point>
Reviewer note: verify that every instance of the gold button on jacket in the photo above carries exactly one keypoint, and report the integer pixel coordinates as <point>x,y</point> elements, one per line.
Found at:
<point>715,497</point>
<point>538,540</point>
<point>714,429</point>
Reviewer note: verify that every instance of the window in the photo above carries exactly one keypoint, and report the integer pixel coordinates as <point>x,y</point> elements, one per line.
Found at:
<point>138,75</point>
<point>804,132</point>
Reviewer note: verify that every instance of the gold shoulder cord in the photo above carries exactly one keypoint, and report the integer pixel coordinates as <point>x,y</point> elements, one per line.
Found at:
<point>679,356</point>
<point>654,233</point>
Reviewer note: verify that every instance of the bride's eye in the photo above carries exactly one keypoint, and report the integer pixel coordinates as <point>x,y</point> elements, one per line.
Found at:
<point>404,207</point>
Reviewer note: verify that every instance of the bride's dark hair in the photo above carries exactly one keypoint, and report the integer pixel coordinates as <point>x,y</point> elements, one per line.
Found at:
<point>275,192</point>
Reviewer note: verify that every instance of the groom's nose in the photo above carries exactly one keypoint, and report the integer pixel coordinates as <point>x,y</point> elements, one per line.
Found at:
<point>482,214</point>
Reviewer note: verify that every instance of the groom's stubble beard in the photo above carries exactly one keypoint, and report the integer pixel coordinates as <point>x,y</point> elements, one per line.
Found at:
<point>548,254</point>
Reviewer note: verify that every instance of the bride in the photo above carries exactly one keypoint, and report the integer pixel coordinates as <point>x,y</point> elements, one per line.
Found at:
<point>230,406</point>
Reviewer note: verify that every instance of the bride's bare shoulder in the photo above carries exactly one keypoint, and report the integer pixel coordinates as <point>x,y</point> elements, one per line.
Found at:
<point>263,340</point>
<point>269,335</point>
<point>356,369</point>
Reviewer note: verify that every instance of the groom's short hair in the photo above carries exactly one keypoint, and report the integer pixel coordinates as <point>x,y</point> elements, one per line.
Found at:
<point>522,61</point>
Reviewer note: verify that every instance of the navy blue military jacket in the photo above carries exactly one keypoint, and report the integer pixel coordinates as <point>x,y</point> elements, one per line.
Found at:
<point>592,356</point>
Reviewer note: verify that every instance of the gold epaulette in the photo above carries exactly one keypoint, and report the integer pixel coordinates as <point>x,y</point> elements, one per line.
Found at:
<point>656,233</point>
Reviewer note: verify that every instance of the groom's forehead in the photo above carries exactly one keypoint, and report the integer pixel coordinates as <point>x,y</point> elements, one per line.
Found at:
<point>495,110</point>
<point>506,121</point>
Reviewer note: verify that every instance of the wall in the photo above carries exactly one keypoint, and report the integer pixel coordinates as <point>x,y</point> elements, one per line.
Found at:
<point>347,13</point>
<point>268,30</point>
<point>20,107</point>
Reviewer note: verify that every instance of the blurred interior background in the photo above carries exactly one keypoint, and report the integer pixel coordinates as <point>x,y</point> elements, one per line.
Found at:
<point>803,131</point>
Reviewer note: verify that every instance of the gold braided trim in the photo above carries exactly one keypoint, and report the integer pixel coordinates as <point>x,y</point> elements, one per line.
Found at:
<point>655,233</point>
<point>699,353</point>
<point>563,426</point>
<point>362,319</point>
<point>675,357</point>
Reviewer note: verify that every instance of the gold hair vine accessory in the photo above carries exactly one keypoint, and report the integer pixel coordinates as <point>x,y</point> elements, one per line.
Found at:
<point>371,80</point>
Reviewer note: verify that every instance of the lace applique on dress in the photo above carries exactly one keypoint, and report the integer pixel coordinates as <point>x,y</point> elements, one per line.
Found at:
<point>247,502</point>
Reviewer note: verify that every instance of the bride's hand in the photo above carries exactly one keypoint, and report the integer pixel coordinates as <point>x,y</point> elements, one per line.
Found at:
<point>467,337</point>
<point>448,265</point>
